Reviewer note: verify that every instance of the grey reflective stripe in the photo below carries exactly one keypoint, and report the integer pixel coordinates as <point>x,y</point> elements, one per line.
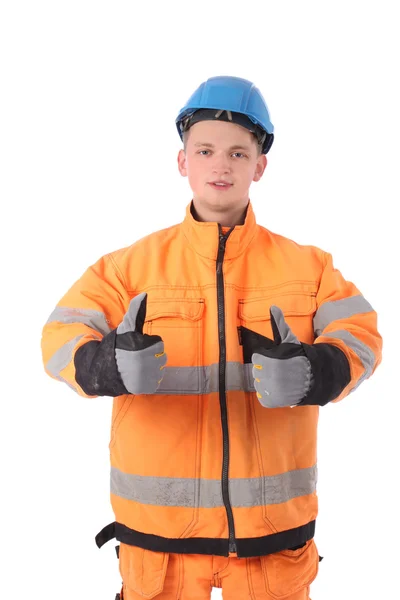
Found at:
<point>206,493</point>
<point>363,351</point>
<point>248,378</point>
<point>239,376</point>
<point>92,318</point>
<point>339,309</point>
<point>204,380</point>
<point>67,382</point>
<point>62,357</point>
<point>276,488</point>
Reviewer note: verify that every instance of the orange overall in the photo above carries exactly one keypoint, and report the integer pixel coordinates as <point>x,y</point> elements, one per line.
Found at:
<point>285,575</point>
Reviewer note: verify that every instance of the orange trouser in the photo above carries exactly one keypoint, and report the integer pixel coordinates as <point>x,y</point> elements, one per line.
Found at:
<point>285,575</point>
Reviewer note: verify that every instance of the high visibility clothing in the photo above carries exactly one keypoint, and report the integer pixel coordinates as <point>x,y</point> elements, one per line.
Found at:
<point>147,574</point>
<point>201,467</point>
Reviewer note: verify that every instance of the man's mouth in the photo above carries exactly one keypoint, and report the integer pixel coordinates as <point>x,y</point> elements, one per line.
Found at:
<point>223,185</point>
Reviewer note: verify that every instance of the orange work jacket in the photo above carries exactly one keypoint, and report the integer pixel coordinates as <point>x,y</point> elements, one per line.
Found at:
<point>201,466</point>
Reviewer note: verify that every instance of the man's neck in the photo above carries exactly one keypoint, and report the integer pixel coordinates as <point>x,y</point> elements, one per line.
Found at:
<point>224,219</point>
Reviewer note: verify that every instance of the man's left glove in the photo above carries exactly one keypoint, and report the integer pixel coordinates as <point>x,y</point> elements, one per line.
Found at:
<point>288,372</point>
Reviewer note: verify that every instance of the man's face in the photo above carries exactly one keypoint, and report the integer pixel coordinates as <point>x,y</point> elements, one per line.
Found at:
<point>221,151</point>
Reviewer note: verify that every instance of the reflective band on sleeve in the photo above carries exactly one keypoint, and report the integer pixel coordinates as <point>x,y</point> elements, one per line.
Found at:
<point>339,309</point>
<point>363,352</point>
<point>206,493</point>
<point>62,357</point>
<point>92,318</point>
<point>67,382</point>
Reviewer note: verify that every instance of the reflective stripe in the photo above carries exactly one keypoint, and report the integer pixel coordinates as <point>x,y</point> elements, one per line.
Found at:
<point>201,380</point>
<point>92,318</point>
<point>364,353</point>
<point>206,493</point>
<point>339,309</point>
<point>205,380</point>
<point>67,382</point>
<point>62,357</point>
<point>248,378</point>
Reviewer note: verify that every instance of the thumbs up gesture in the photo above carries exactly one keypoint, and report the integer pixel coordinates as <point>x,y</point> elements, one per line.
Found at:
<point>288,372</point>
<point>140,357</point>
<point>282,373</point>
<point>125,361</point>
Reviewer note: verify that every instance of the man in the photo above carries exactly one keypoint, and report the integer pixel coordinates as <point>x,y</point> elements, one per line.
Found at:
<point>219,341</point>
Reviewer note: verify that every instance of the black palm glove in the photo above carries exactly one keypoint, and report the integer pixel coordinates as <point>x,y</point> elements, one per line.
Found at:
<point>288,372</point>
<point>126,361</point>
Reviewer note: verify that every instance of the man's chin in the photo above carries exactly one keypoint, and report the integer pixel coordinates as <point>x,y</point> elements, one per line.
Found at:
<point>217,202</point>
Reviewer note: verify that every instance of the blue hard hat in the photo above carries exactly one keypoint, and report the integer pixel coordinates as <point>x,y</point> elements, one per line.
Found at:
<point>239,98</point>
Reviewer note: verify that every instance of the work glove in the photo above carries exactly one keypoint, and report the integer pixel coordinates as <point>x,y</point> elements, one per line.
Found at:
<point>288,372</point>
<point>126,361</point>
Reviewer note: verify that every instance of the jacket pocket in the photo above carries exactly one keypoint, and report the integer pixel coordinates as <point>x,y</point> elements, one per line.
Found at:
<point>290,571</point>
<point>142,571</point>
<point>179,323</point>
<point>298,307</point>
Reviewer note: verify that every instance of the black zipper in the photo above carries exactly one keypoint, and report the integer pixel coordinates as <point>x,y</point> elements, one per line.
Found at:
<point>222,391</point>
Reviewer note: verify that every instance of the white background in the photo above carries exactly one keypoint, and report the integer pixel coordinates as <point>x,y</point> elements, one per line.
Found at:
<point>89,95</point>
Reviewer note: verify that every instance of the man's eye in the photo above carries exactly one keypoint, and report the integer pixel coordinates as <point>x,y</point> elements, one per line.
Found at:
<point>241,154</point>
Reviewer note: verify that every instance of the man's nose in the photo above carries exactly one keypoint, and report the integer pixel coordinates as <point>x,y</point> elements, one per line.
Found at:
<point>221,163</point>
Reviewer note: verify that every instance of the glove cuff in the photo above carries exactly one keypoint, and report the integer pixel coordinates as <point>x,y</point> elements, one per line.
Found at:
<point>331,373</point>
<point>96,369</point>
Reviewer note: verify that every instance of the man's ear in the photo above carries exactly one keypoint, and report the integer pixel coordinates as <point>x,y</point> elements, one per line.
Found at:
<point>182,163</point>
<point>260,167</point>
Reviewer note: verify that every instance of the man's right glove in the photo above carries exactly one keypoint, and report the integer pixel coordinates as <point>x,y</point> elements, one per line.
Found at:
<point>126,361</point>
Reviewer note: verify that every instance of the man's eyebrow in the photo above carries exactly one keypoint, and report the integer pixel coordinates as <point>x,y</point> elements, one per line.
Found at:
<point>236,147</point>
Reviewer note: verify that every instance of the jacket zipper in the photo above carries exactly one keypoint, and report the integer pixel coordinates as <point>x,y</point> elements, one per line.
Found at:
<point>222,391</point>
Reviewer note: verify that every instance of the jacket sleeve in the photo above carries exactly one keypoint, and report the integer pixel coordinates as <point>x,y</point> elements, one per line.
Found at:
<point>345,319</point>
<point>92,308</point>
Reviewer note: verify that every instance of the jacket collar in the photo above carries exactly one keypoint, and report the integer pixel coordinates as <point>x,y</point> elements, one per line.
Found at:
<point>203,237</point>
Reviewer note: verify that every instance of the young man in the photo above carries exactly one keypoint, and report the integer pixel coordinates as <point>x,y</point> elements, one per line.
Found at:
<point>219,341</point>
